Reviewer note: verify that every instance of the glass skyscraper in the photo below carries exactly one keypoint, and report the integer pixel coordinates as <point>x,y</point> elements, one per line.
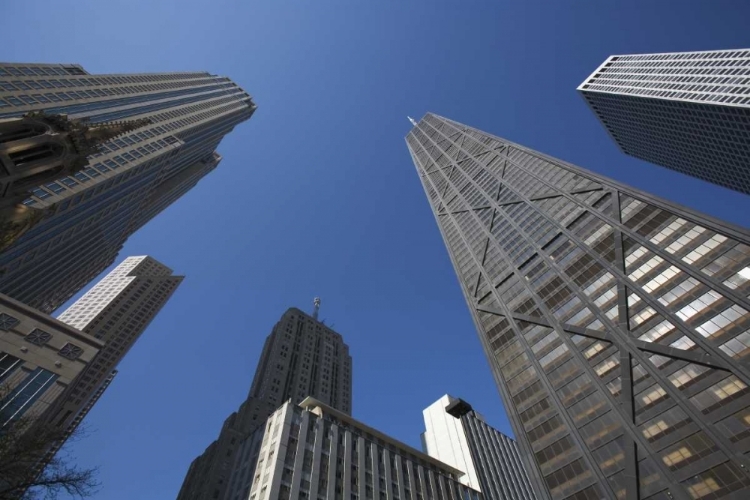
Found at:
<point>90,214</point>
<point>687,111</point>
<point>616,323</point>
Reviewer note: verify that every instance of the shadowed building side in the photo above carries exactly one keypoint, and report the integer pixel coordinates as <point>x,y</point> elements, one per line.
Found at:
<point>686,111</point>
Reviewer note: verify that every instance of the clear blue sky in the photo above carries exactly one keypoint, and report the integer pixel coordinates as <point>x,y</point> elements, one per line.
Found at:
<point>317,194</point>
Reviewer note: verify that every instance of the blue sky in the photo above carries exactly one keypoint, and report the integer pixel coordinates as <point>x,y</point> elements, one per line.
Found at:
<point>317,194</point>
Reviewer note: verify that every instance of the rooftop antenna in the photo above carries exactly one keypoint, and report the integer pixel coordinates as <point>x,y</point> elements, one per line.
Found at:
<point>412,121</point>
<point>316,307</point>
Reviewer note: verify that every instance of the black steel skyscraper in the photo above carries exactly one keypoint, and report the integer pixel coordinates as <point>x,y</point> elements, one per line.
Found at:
<point>90,214</point>
<point>616,323</point>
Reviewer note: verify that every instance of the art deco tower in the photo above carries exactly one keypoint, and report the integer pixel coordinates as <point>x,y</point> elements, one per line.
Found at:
<point>88,215</point>
<point>302,357</point>
<point>687,111</point>
<point>616,323</point>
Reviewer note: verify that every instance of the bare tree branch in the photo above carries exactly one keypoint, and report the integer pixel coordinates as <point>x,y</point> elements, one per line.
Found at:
<point>24,444</point>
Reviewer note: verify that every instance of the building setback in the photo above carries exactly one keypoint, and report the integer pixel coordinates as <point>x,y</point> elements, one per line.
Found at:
<point>301,357</point>
<point>616,323</point>
<point>457,435</point>
<point>313,451</point>
<point>116,311</point>
<point>90,214</point>
<point>687,111</point>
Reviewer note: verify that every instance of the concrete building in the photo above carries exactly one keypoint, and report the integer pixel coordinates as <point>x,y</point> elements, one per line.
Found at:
<point>458,436</point>
<point>91,213</point>
<point>116,311</point>
<point>687,111</point>
<point>313,451</point>
<point>301,357</point>
<point>39,358</point>
<point>615,323</point>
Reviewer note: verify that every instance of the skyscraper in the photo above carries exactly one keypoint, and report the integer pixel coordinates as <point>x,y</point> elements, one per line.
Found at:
<point>90,214</point>
<point>687,111</point>
<point>117,310</point>
<point>312,451</point>
<point>301,357</point>
<point>615,323</point>
<point>459,436</point>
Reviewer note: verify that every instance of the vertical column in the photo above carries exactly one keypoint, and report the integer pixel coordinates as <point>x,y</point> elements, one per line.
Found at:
<point>333,461</point>
<point>361,466</point>
<point>299,458</point>
<point>317,457</point>
<point>347,475</point>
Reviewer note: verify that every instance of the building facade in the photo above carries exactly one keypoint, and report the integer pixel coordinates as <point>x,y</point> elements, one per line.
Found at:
<point>115,311</point>
<point>615,323</point>
<point>687,111</point>
<point>39,358</point>
<point>90,214</point>
<point>458,436</point>
<point>301,357</point>
<point>312,451</point>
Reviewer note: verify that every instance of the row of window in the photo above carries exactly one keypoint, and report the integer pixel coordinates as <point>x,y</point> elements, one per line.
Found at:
<point>40,337</point>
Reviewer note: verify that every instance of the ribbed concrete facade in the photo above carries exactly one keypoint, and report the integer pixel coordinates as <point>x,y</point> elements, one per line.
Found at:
<point>117,310</point>
<point>313,451</point>
<point>301,357</point>
<point>444,438</point>
<point>687,111</point>
<point>617,324</point>
<point>457,435</point>
<point>133,178</point>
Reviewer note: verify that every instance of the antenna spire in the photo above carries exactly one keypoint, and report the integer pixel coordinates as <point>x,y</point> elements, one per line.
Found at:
<point>316,307</point>
<point>412,121</point>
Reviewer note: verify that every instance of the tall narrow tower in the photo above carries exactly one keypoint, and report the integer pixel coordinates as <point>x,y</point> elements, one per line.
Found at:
<point>617,324</point>
<point>301,358</point>
<point>89,213</point>
<point>117,310</point>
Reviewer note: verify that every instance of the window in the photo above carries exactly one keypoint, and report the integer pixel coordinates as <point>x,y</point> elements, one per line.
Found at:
<point>7,322</point>
<point>38,337</point>
<point>70,351</point>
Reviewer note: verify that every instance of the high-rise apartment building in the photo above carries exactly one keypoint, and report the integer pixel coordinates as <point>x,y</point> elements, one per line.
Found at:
<point>301,358</point>
<point>617,324</point>
<point>458,436</point>
<point>313,451</point>
<point>89,215</point>
<point>687,111</point>
<point>116,311</point>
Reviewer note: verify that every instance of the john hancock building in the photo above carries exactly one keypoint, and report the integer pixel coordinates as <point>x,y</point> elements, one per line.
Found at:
<point>86,217</point>
<point>615,323</point>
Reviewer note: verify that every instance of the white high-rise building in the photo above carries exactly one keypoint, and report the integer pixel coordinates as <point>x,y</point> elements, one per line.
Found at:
<point>459,436</point>
<point>444,438</point>
<point>313,451</point>
<point>117,311</point>
<point>687,111</point>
